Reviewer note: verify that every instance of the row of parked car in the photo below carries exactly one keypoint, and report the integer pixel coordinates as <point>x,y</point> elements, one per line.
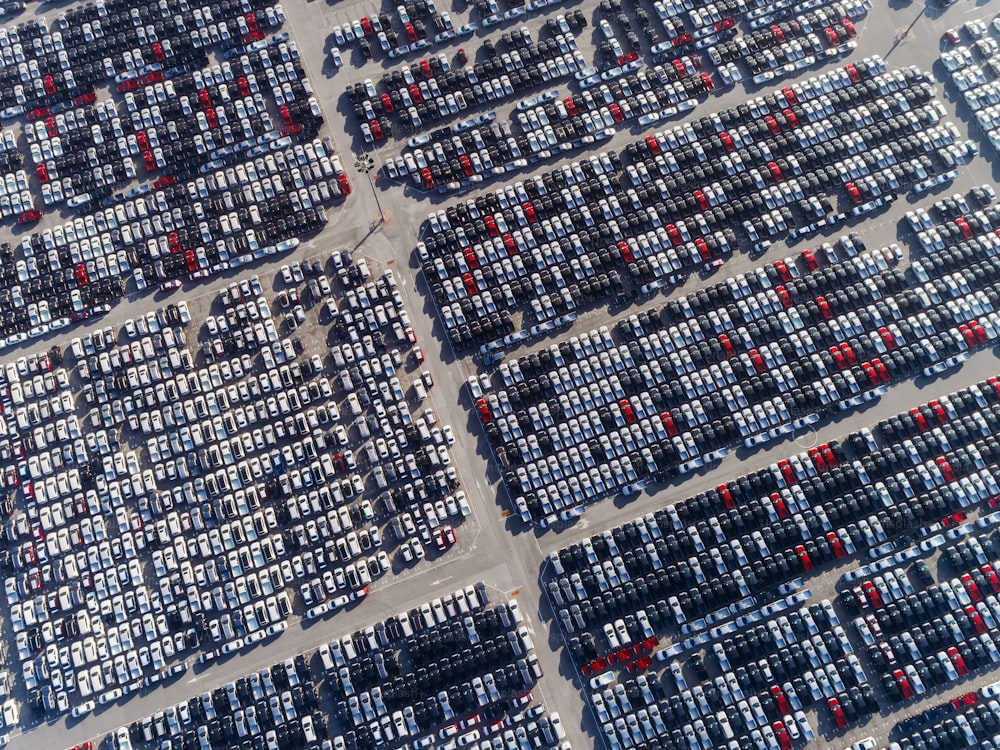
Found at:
<point>744,361</point>
<point>232,185</point>
<point>974,69</point>
<point>968,720</point>
<point>251,496</point>
<point>176,124</point>
<point>742,165</point>
<point>753,700</point>
<point>920,641</point>
<point>469,670</point>
<point>793,44</point>
<point>474,661</point>
<point>619,593</point>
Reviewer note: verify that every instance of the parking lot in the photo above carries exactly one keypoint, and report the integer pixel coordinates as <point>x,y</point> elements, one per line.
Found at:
<point>229,438</point>
<point>617,591</point>
<point>472,662</point>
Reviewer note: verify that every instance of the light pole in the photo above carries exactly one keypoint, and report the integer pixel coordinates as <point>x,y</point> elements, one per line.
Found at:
<point>365,163</point>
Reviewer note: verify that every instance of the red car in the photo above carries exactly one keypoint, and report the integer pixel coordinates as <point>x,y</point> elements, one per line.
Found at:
<point>616,112</point>
<point>428,179</point>
<point>836,545</point>
<point>958,661</point>
<point>787,472</point>
<point>387,104</point>
<point>571,107</point>
<point>810,259</point>
<point>783,273</point>
<point>529,212</point>
<point>779,505</point>
<point>470,284</point>
<point>976,619</point>
<point>703,249</point>
<point>470,258</point>
<point>244,87</point>
<point>883,372</point>
<point>781,734</point>
<point>824,307</point>
<point>919,420</point>
<point>344,184</point>
<point>790,96</point>
<point>30,216</point>
<point>674,234</point>
<point>838,713</point>
<point>853,193</point>
<point>727,496</point>
<point>954,519</point>
<point>870,373</point>
<point>972,588</point>
<point>757,361</point>
<point>772,125</point>
<point>887,338</point>
<point>627,412</point>
<point>829,455</point>
<point>668,424</point>
<point>49,84</point>
<point>376,129</point>
<point>783,296</point>
<point>852,73</point>
<point>491,226</point>
<point>946,471</point>
<point>775,171</point>
<point>484,411</point>
<point>703,203</point>
<point>903,682</point>
<point>873,594</point>
<point>639,664</point>
<point>444,538</point>
<point>411,33</point>
<point>158,54</point>
<point>780,701</point>
<point>831,36</point>
<point>807,563</point>
<point>366,26</point>
<point>727,141</point>
<point>653,145</point>
<point>965,701</point>
<point>727,345</point>
<point>38,113</point>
